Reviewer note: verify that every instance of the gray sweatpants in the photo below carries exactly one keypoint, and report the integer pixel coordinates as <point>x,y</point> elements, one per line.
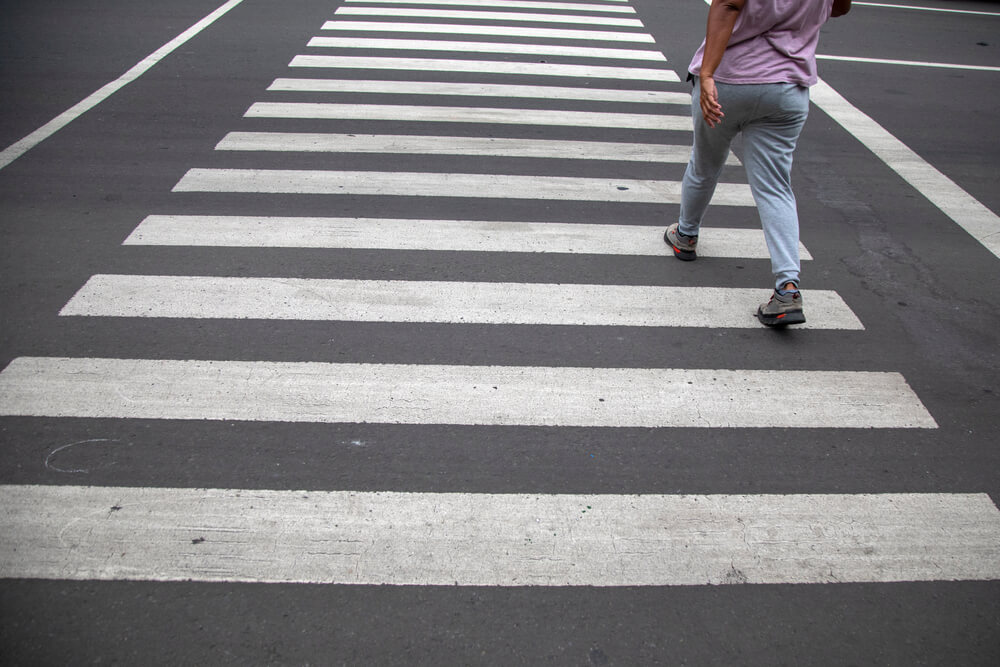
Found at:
<point>770,116</point>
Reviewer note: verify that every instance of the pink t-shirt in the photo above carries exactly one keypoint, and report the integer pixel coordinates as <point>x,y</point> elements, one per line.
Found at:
<point>774,41</point>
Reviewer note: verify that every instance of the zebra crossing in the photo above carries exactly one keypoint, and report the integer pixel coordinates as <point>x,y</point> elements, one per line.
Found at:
<point>424,184</point>
<point>426,234</point>
<point>468,538</point>
<point>442,45</point>
<point>497,540</point>
<point>430,301</point>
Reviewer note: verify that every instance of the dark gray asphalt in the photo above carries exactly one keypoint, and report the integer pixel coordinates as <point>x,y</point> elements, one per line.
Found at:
<point>924,289</point>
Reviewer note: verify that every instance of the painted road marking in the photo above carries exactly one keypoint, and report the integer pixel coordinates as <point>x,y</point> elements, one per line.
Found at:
<point>514,4</point>
<point>441,235</point>
<point>468,539</point>
<point>926,9</point>
<point>436,114</point>
<point>21,147</point>
<point>435,145</point>
<point>484,47</point>
<point>479,90</point>
<point>429,184</point>
<point>964,209</point>
<point>909,63</point>
<point>497,30</point>
<point>211,297</point>
<point>487,67</point>
<point>442,114</point>
<point>487,16</point>
<point>468,395</point>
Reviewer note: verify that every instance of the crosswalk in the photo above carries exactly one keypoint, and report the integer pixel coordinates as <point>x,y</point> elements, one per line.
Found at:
<point>495,540</point>
<point>464,114</point>
<point>437,184</point>
<point>484,67</point>
<point>479,109</point>
<point>432,301</point>
<point>433,145</point>
<point>443,45</point>
<point>236,231</point>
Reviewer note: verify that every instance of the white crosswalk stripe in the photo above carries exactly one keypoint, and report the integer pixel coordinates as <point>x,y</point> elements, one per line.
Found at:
<point>435,301</point>
<point>485,67</point>
<point>483,47</point>
<point>488,16</point>
<point>433,184</point>
<point>60,532</point>
<point>496,30</point>
<point>436,145</point>
<point>450,235</point>
<point>620,8</point>
<point>471,395</point>
<point>472,539</point>
<point>435,114</point>
<point>479,90</point>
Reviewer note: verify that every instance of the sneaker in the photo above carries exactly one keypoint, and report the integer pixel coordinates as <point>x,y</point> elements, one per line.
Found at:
<point>784,308</point>
<point>682,244</point>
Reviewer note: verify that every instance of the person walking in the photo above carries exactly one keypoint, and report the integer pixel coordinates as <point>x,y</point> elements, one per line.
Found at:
<point>751,77</point>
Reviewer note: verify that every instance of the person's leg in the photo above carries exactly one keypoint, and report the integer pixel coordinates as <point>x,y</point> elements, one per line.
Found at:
<point>769,142</point>
<point>708,156</point>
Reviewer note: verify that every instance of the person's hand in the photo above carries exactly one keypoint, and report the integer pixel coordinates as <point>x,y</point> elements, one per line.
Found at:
<point>711,110</point>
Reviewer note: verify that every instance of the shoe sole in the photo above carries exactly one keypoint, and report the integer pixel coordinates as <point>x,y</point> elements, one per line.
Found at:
<point>683,255</point>
<point>782,320</point>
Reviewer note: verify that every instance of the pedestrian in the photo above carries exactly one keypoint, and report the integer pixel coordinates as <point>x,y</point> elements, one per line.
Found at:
<point>751,77</point>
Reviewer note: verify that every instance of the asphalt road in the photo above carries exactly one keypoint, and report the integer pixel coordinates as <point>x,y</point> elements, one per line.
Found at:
<point>923,287</point>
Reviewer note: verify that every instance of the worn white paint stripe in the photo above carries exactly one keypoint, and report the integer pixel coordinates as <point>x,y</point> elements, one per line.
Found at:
<point>424,184</point>
<point>441,235</point>
<point>484,47</point>
<point>620,8</point>
<point>471,539</point>
<point>486,67</point>
<point>213,297</point>
<point>908,63</point>
<point>947,10</point>
<point>506,31</point>
<point>469,395</point>
<point>436,145</point>
<point>488,16</point>
<point>975,218</point>
<point>436,114</point>
<point>21,147</point>
<point>479,90</point>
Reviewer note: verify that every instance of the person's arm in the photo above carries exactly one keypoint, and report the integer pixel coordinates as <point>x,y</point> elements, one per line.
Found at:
<point>722,17</point>
<point>840,7</point>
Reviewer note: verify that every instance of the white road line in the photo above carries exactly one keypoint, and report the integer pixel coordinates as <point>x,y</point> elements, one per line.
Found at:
<point>926,9</point>
<point>21,147</point>
<point>440,235</point>
<point>435,114</point>
<point>499,30</point>
<point>908,63</point>
<point>468,395</point>
<point>620,8</point>
<point>210,297</point>
<point>975,218</point>
<point>456,146</point>
<point>487,16</point>
<point>479,90</point>
<point>425,184</point>
<point>484,47</point>
<point>486,67</point>
<point>471,539</point>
